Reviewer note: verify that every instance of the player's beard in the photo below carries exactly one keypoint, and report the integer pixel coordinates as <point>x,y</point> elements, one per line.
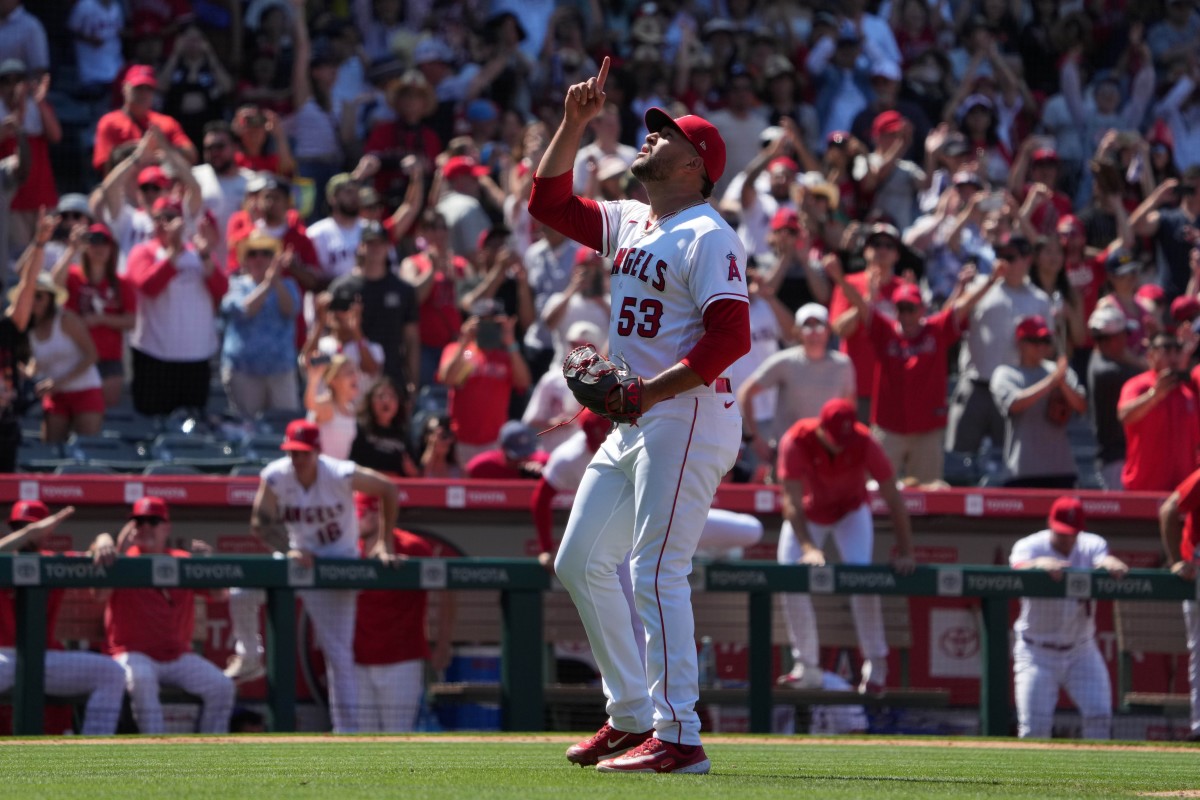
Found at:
<point>649,169</point>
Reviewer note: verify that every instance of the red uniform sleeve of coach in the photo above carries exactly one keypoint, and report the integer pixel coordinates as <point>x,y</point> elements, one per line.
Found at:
<point>543,515</point>
<point>553,203</point>
<point>726,339</point>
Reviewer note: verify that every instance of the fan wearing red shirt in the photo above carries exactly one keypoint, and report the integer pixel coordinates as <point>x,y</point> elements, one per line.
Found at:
<point>1162,430</point>
<point>130,122</point>
<point>481,375</point>
<point>908,409</point>
<point>149,631</point>
<point>69,673</point>
<point>516,458</point>
<point>391,645</point>
<point>1040,167</point>
<point>824,465</point>
<point>1179,524</point>
<point>877,283</point>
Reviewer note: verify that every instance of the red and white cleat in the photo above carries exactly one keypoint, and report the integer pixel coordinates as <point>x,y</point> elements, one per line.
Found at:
<point>655,755</point>
<point>607,742</point>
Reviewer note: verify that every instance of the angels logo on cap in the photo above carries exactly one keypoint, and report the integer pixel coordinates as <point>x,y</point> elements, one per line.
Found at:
<point>150,506</point>
<point>1066,516</point>
<point>839,420</point>
<point>302,436</point>
<point>28,511</point>
<point>702,135</point>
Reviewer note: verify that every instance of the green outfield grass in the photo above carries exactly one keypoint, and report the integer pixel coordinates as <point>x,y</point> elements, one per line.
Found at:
<point>346,768</point>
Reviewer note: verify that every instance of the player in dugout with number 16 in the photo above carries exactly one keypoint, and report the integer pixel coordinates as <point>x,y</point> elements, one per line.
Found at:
<point>680,318</point>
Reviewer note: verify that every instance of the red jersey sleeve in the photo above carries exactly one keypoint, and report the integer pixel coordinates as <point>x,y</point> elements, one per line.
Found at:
<point>543,514</point>
<point>127,294</point>
<point>553,203</point>
<point>793,462</point>
<point>148,273</point>
<point>105,141</point>
<point>838,304</point>
<point>882,333</point>
<point>1189,493</point>
<point>876,461</point>
<point>946,328</point>
<point>726,339</point>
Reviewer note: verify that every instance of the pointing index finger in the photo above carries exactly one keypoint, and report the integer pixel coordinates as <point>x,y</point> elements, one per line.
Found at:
<point>603,75</point>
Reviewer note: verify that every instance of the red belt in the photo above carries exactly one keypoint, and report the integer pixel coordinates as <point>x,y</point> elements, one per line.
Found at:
<point>722,386</point>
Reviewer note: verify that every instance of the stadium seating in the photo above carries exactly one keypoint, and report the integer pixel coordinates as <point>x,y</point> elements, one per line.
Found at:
<point>202,452</point>
<point>106,451</point>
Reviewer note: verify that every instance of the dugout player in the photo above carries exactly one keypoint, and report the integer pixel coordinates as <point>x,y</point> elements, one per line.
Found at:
<point>305,508</point>
<point>68,672</point>
<point>1178,525</point>
<point>390,642</point>
<point>824,465</point>
<point>149,631</point>
<point>1055,640</point>
<point>679,319</point>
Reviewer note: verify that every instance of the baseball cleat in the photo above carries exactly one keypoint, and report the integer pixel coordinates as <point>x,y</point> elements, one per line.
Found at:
<point>241,670</point>
<point>655,755</point>
<point>801,677</point>
<point>606,743</point>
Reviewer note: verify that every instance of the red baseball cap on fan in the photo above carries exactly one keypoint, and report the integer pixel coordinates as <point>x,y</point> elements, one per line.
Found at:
<point>908,293</point>
<point>150,506</point>
<point>365,504</point>
<point>887,122</point>
<point>1066,516</point>
<point>302,436</point>
<point>1033,327</point>
<point>166,204</point>
<point>28,511</point>
<point>838,419</point>
<point>154,175</point>
<point>141,75</point>
<point>702,135</point>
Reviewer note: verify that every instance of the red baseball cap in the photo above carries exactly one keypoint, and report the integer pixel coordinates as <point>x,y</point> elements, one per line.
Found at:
<point>785,218</point>
<point>167,204</point>
<point>1033,327</point>
<point>153,174</point>
<point>1069,224</point>
<point>783,161</point>
<point>102,229</point>
<point>839,420</point>
<point>460,166</point>
<point>150,506</point>
<point>365,503</point>
<point>887,122</point>
<point>302,436</point>
<point>908,293</point>
<point>141,75</point>
<point>1151,292</point>
<point>1044,154</point>
<point>1066,516</point>
<point>28,511</point>
<point>702,135</point>
<point>1185,308</point>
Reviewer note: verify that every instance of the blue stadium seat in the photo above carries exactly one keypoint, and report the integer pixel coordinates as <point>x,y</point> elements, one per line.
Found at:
<point>84,469</point>
<point>127,424</point>
<point>38,456</point>
<point>275,420</point>
<point>106,451</point>
<point>201,452</point>
<point>162,468</point>
<point>260,447</point>
<point>245,471</point>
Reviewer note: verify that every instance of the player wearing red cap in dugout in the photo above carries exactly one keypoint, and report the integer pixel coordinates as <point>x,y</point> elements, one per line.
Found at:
<point>68,672</point>
<point>824,465</point>
<point>305,508</point>
<point>1055,640</point>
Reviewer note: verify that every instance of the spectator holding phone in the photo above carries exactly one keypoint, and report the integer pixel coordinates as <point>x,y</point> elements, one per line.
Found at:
<point>482,369</point>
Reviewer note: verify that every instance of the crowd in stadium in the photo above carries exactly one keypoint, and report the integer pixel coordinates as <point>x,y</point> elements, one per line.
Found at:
<point>321,205</point>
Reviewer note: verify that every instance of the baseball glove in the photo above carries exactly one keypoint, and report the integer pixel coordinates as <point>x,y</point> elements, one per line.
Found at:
<point>601,386</point>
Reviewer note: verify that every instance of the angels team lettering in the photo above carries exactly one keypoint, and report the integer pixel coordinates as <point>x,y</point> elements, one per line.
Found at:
<point>318,515</point>
<point>641,264</point>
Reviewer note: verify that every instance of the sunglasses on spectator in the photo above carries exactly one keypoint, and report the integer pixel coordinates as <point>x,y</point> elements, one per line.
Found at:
<point>1008,255</point>
<point>148,520</point>
<point>165,217</point>
<point>7,79</point>
<point>1168,345</point>
<point>812,325</point>
<point>97,238</point>
<point>216,145</point>
<point>884,242</point>
<point>907,308</point>
<point>150,187</point>
<point>259,253</point>
<point>1039,340</point>
<point>74,215</point>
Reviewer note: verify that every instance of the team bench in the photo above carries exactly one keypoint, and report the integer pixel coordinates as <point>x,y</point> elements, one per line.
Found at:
<point>719,615</point>
<point>1151,626</point>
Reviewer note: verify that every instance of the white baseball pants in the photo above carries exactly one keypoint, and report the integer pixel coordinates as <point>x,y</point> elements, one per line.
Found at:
<point>244,605</point>
<point>190,672</point>
<point>724,530</point>
<point>332,612</point>
<point>1191,619</point>
<point>1038,672</point>
<point>855,537</point>
<point>70,673</point>
<point>646,493</point>
<point>389,696</point>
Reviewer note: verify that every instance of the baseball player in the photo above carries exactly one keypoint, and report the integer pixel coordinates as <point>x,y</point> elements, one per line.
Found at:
<point>305,508</point>
<point>68,673</point>
<point>149,631</point>
<point>390,642</point>
<point>824,464</point>
<point>679,320</point>
<point>1178,525</point>
<point>1055,640</point>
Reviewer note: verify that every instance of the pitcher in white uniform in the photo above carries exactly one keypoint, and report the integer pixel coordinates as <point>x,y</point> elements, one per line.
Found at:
<point>679,319</point>
<point>1055,640</point>
<point>305,508</point>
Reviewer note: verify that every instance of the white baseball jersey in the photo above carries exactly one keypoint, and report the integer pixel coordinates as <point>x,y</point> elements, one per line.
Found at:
<point>567,463</point>
<point>320,519</point>
<point>1052,621</point>
<point>664,277</point>
<point>336,246</point>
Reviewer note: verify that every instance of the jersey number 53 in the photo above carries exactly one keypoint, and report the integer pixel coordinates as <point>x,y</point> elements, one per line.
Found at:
<point>643,315</point>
